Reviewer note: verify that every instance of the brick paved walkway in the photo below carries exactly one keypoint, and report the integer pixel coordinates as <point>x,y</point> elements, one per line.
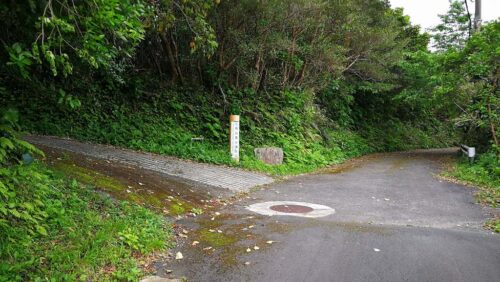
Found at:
<point>236,180</point>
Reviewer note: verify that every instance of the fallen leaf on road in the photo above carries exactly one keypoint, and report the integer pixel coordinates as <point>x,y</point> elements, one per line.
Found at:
<point>207,248</point>
<point>169,271</point>
<point>195,243</point>
<point>142,184</point>
<point>178,255</point>
<point>185,231</point>
<point>211,230</point>
<point>182,235</point>
<point>251,226</point>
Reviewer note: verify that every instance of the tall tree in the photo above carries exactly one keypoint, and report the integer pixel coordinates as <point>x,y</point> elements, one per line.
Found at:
<point>453,31</point>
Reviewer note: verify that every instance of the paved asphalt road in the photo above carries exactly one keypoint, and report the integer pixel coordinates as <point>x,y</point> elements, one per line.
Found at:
<point>394,221</point>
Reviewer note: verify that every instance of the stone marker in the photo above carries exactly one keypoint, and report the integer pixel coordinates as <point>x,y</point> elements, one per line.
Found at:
<point>269,155</point>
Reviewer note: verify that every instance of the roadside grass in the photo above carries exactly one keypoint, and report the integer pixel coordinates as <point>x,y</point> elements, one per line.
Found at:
<point>57,229</point>
<point>484,174</point>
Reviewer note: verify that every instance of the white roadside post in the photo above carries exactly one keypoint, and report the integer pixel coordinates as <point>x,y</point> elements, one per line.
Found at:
<point>234,142</point>
<point>469,151</point>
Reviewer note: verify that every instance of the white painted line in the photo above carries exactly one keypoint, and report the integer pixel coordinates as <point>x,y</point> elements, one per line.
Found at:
<point>265,209</point>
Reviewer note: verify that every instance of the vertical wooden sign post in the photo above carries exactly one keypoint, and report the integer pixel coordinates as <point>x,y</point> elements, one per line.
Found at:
<point>234,142</point>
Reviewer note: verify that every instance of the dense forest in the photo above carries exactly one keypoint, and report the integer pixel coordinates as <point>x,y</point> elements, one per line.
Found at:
<point>324,80</point>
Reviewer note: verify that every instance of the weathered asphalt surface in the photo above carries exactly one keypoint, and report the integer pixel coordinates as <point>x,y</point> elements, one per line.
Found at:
<point>425,229</point>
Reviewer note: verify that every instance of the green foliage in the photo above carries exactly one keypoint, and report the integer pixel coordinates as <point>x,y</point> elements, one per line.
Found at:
<point>454,29</point>
<point>56,229</point>
<point>11,146</point>
<point>307,76</point>
<point>493,224</point>
<point>470,78</point>
<point>485,174</point>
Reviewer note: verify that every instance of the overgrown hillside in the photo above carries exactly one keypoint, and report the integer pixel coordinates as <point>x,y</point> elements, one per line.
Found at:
<point>324,80</point>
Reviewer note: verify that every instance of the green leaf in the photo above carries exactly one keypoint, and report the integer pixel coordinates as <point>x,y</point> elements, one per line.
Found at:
<point>40,229</point>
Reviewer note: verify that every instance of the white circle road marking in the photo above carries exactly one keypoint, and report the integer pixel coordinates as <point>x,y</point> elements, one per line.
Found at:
<point>264,208</point>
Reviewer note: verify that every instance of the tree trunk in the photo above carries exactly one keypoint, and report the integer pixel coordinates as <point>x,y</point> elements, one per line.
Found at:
<point>492,120</point>
<point>170,57</point>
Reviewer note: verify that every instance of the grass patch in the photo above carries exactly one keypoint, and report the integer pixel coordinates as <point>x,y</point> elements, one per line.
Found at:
<point>57,229</point>
<point>484,174</point>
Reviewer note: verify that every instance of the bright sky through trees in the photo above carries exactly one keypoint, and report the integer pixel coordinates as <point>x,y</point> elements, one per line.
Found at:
<point>425,12</point>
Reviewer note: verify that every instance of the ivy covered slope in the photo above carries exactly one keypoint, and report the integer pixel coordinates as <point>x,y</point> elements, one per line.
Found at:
<point>324,80</point>
<point>54,228</point>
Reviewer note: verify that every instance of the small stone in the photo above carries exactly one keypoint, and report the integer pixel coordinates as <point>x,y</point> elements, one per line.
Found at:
<point>249,250</point>
<point>178,256</point>
<point>185,231</point>
<point>256,248</point>
<point>219,231</point>
<point>387,199</point>
<point>142,184</point>
<point>269,242</point>
<point>376,250</point>
<point>217,213</point>
<point>195,243</point>
<point>168,271</point>
<point>211,230</point>
<point>251,226</point>
<point>247,263</point>
<point>207,248</point>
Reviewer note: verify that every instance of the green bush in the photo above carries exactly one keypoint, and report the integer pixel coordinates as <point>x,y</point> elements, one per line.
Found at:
<point>483,173</point>
<point>56,229</point>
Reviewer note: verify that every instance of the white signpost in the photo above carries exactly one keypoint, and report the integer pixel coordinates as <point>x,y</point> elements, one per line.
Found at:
<point>234,142</point>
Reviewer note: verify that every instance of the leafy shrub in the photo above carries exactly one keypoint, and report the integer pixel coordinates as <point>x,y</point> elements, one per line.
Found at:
<point>11,146</point>
<point>484,173</point>
<point>54,228</point>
